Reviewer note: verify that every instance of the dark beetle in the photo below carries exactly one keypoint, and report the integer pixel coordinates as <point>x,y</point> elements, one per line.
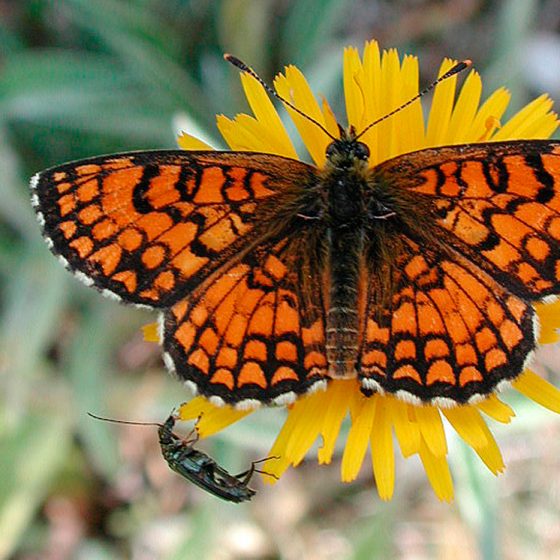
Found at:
<point>197,467</point>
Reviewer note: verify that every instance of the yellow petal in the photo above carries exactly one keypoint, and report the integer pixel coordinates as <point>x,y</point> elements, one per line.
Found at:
<point>194,408</point>
<point>491,455</point>
<point>354,95</point>
<point>279,466</point>
<point>409,127</point>
<point>539,390</point>
<point>465,110</point>
<point>294,87</point>
<point>441,108</point>
<point>311,414</point>
<point>337,408</point>
<point>358,439</point>
<point>372,83</point>
<point>189,142</point>
<point>549,319</point>
<point>151,332</point>
<point>244,133</point>
<point>437,471</point>
<point>330,118</point>
<point>490,113</point>
<point>532,121</point>
<point>211,418</point>
<point>407,429</point>
<point>372,74</point>
<point>473,430</point>
<point>273,134</point>
<point>219,418</point>
<point>382,452</point>
<point>497,410</point>
<point>390,99</point>
<point>467,422</point>
<point>431,429</point>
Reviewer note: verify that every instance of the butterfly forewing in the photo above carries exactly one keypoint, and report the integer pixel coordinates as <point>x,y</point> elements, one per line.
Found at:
<point>498,204</point>
<point>150,227</point>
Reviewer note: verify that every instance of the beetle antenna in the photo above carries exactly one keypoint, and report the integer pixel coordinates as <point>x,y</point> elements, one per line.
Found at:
<point>114,421</point>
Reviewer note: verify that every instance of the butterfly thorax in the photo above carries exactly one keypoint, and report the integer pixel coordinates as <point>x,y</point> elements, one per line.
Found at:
<point>345,182</point>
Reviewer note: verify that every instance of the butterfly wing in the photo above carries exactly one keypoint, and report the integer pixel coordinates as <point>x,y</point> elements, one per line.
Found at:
<point>150,227</point>
<point>450,333</point>
<point>256,334</point>
<point>457,320</point>
<point>498,204</point>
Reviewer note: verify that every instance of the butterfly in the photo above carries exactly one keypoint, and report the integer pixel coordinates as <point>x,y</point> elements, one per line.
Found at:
<point>417,277</point>
<point>198,467</point>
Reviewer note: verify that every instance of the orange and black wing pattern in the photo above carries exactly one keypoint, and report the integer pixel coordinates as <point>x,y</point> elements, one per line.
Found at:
<point>234,248</point>
<point>460,318</point>
<point>150,227</point>
<point>254,335</point>
<point>498,204</point>
<point>451,331</point>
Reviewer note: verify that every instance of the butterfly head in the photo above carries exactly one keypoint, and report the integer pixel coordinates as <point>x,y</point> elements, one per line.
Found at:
<point>346,151</point>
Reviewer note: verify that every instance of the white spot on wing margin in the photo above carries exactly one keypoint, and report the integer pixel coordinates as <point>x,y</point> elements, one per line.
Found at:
<point>109,294</point>
<point>285,399</point>
<point>170,365</point>
<point>216,401</point>
<point>161,327</point>
<point>246,404</point>
<point>34,181</point>
<point>81,276</point>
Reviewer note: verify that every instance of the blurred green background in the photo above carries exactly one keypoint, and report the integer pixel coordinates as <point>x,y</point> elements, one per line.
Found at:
<point>80,78</point>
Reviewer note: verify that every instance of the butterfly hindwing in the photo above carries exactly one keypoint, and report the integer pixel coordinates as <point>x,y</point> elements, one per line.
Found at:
<point>450,333</point>
<point>148,227</point>
<point>248,336</point>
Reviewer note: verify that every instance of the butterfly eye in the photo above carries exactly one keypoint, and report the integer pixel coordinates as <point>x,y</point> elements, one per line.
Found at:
<point>361,151</point>
<point>331,149</point>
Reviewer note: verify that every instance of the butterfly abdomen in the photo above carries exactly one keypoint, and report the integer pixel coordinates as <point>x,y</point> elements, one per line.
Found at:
<point>342,314</point>
<point>346,241</point>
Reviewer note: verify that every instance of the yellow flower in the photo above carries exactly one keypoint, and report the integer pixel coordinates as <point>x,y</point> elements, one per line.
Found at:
<point>373,86</point>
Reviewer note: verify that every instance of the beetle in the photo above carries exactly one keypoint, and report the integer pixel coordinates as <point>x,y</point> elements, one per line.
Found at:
<point>198,467</point>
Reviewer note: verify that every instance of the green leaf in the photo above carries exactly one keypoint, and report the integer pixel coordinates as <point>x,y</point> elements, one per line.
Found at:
<point>308,25</point>
<point>132,18</point>
<point>34,301</point>
<point>166,82</point>
<point>89,357</point>
<point>30,457</point>
<point>56,70</point>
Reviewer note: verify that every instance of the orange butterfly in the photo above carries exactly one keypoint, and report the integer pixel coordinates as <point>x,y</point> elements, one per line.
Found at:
<point>417,276</point>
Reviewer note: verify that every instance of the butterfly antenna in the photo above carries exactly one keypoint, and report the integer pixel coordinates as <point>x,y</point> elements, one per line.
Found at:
<point>123,421</point>
<point>459,67</point>
<point>244,68</point>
